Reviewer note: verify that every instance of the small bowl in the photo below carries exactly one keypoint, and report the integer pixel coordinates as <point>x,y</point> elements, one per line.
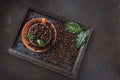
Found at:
<point>52,37</point>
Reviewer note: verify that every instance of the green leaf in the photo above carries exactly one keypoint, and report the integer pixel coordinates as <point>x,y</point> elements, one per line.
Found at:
<point>81,39</point>
<point>40,42</point>
<point>30,36</point>
<point>73,27</point>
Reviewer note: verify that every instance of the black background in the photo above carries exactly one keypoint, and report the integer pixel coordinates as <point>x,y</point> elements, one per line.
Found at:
<point>102,58</point>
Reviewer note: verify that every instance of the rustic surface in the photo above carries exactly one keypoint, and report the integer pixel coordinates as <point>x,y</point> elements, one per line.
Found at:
<point>101,61</point>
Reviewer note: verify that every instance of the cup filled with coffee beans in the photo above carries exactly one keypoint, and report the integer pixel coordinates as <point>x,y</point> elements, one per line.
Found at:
<point>39,34</point>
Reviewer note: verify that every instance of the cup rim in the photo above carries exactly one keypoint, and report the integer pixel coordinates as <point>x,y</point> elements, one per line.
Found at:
<point>25,31</point>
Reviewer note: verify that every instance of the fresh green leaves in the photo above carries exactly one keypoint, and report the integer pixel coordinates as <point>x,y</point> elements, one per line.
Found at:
<point>73,27</point>
<point>81,39</point>
<point>30,36</point>
<point>40,42</point>
<point>76,29</point>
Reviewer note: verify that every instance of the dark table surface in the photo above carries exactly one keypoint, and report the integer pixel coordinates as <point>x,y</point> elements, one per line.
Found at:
<point>102,58</point>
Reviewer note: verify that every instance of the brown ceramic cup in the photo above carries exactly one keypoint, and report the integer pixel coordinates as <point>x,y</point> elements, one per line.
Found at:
<point>51,32</point>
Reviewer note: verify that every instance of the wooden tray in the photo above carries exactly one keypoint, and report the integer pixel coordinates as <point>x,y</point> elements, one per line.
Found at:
<point>18,49</point>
